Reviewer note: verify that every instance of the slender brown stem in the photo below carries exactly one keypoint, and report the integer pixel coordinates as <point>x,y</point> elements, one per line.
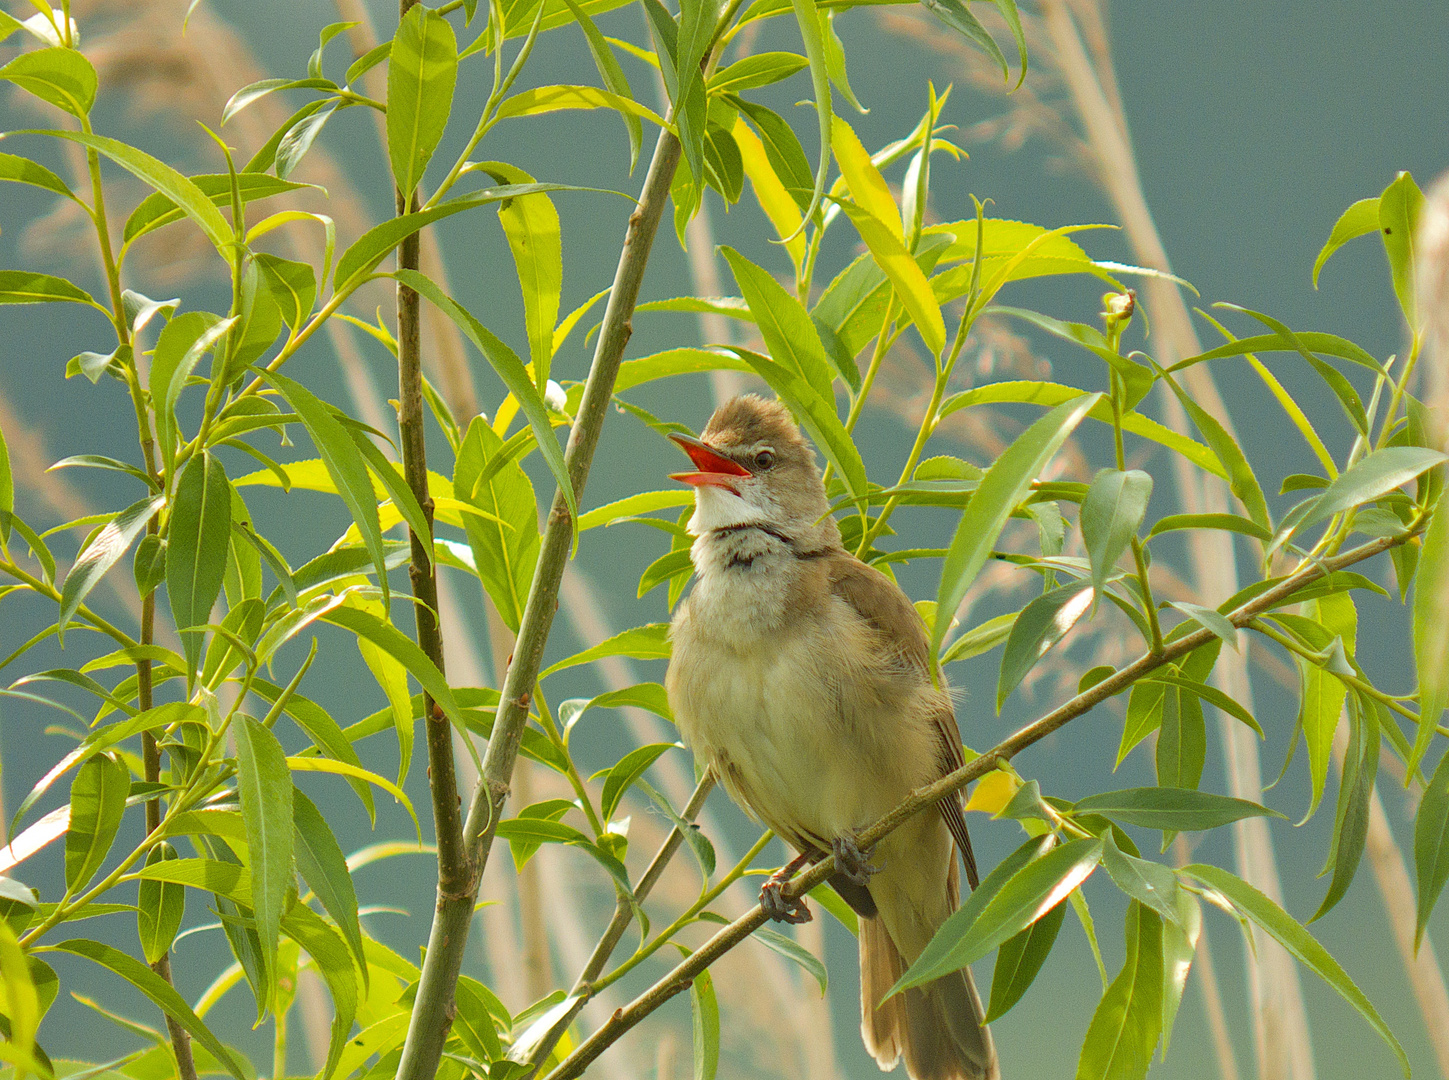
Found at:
<point>432,1014</point>
<point>726,939</point>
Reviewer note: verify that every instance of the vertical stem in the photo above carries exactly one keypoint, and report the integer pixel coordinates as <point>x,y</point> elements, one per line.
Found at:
<point>433,1008</point>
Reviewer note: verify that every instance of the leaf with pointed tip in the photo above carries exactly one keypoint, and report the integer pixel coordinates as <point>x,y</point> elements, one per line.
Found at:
<point>1111,514</point>
<point>1003,487</point>
<point>1399,207</point>
<point>63,77</point>
<point>1355,793</point>
<point>264,785</point>
<point>1019,959</point>
<point>160,907</point>
<point>21,170</point>
<point>1371,477</point>
<point>628,769</point>
<point>1358,220</point>
<point>1431,628</point>
<point>97,801</point>
<point>1284,929</point>
<point>790,337</point>
<point>1125,1027</point>
<point>1431,845</point>
<point>331,958</point>
<point>101,554</point>
<point>1210,619</point>
<point>1173,809</point>
<point>196,549</point>
<point>912,288</point>
<point>324,868</point>
<point>421,73</point>
<point>1036,629</point>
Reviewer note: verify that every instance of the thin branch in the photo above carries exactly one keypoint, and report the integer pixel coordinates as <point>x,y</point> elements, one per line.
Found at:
<point>726,939</point>
<point>428,1027</point>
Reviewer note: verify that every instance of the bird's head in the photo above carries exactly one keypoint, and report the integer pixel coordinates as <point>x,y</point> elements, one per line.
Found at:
<point>753,467</point>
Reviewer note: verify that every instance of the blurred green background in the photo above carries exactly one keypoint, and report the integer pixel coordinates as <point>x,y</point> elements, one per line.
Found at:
<point>1255,125</point>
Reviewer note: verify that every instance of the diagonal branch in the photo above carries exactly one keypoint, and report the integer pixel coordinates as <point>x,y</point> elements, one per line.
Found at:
<point>432,1012</point>
<point>681,976</point>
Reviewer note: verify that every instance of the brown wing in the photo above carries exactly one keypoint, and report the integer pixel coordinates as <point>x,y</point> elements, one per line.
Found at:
<point>880,602</point>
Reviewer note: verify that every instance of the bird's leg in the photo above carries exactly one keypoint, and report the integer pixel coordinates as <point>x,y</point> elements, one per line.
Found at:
<point>772,897</point>
<point>851,861</point>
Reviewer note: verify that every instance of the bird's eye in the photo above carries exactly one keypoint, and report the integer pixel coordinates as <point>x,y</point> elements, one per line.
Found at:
<point>764,459</point>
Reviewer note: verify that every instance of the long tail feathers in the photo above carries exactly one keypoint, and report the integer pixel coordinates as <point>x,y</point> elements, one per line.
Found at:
<point>939,1028</point>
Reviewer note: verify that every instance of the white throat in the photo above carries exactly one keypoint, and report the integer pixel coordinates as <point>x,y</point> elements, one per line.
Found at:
<point>716,508</point>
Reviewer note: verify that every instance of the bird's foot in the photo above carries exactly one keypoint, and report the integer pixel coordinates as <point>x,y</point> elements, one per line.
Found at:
<point>851,861</point>
<point>778,906</point>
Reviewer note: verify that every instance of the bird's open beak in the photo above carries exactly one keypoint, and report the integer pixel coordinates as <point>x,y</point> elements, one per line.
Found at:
<point>715,470</point>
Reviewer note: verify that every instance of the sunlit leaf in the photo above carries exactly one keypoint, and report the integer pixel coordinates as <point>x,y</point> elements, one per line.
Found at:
<point>97,801</point>
<point>421,72</point>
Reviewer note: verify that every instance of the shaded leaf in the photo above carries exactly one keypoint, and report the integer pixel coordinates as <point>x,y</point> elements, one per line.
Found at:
<point>1111,514</point>
<point>196,548</point>
<point>264,785</point>
<point>1038,627</point>
<point>1173,809</point>
<point>97,801</point>
<point>160,907</point>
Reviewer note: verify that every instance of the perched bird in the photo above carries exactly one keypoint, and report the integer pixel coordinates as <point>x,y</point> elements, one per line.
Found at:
<point>800,674</point>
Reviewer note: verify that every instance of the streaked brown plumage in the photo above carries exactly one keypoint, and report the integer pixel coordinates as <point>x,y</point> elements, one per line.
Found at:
<point>800,674</point>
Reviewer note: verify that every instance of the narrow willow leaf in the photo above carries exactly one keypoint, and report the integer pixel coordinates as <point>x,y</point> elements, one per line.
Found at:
<point>293,287</point>
<point>1031,886</point>
<point>511,370</point>
<point>23,1009</point>
<point>196,549</point>
<point>159,991</point>
<point>25,287</point>
<point>1431,628</point>
<point>1149,883</point>
<point>1431,845</point>
<point>1036,629</point>
<point>331,958</point>
<point>981,639</point>
<point>160,907</point>
<point>1173,809</point>
<point>793,951</point>
<point>264,785</point>
<point>1323,693</point>
<point>100,554</point>
<point>956,15</point>
<point>163,178</point>
<point>505,544</point>
<point>649,642</point>
<point>912,288</point>
<point>1209,619</point>
<point>1399,206</point>
<point>1019,959</point>
<point>21,170</point>
<point>771,192</point>
<point>867,187</point>
<point>1284,929</point>
<point>475,1023</point>
<point>704,1010</point>
<point>1227,522</point>
<point>662,365</point>
<point>790,337</point>
<point>63,77</point>
<point>404,650</point>
<point>1179,945</point>
<point>179,348</point>
<point>1128,1020</point>
<point>1358,220</point>
<point>421,73</point>
<point>807,17</point>
<point>1005,484</point>
<point>344,463</point>
<point>1370,478</point>
<point>628,769</point>
<point>1355,793</point>
<point>754,71</point>
<point>612,75</point>
<point>1241,479</point>
<point>97,801</point>
<point>1111,514</point>
<point>324,868</point>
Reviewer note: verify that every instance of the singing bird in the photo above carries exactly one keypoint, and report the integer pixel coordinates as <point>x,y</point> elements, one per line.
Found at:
<point>800,674</point>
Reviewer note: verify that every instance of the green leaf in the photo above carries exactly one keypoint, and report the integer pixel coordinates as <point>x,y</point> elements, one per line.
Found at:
<point>1355,793</point>
<point>759,69</point>
<point>21,170</point>
<point>956,15</point>
<point>163,178</point>
<point>159,991</point>
<point>293,286</point>
<point>1019,959</point>
<point>1358,220</point>
<point>1431,845</point>
<point>474,1023</point>
<point>179,348</point>
<point>807,17</point>
<point>421,73</point>
<point>97,801</point>
<point>345,465</point>
<point>160,907</point>
<point>1014,892</point>
<point>1210,619</point>
<point>62,77</point>
<point>646,369</point>
<point>1179,945</point>
<point>401,648</point>
<point>981,639</point>
<point>156,210</point>
<point>1149,883</point>
<point>649,642</point>
<point>1370,478</point>
<point>612,75</point>
<point>704,1011</point>
<point>1399,206</point>
<point>331,958</point>
<point>1111,514</point>
<point>863,180</point>
<point>1212,695</point>
<point>264,785</point>
<point>793,951</point>
<point>1323,693</point>
<point>1431,628</point>
<point>1227,522</point>
<point>1170,809</point>
<point>24,287</point>
<point>1292,936</point>
<point>1003,487</point>
<point>817,415</point>
<point>505,545</point>
<point>790,337</point>
<point>324,868</point>
<point>1038,627</point>
<point>628,769</point>
<point>531,227</point>
<point>511,370</point>
<point>1128,1020</point>
<point>100,554</point>
<point>547,99</point>
<point>196,549</point>
<point>912,288</point>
